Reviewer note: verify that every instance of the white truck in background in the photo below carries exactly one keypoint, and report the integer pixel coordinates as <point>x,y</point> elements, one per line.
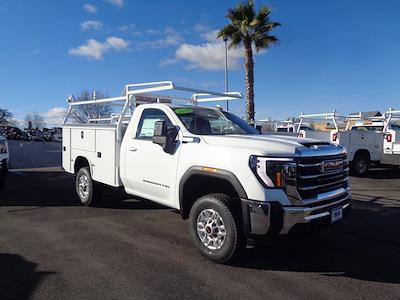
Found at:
<point>364,138</point>
<point>232,183</point>
<point>4,161</point>
<point>391,142</point>
<point>291,127</point>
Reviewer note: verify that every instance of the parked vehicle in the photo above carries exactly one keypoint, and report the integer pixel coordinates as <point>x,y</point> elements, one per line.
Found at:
<point>230,182</point>
<point>4,161</point>
<point>363,138</point>
<point>391,141</point>
<point>292,127</point>
<point>52,135</point>
<point>13,133</point>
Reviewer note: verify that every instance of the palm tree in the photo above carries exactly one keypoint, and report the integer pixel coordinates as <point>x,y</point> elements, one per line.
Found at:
<point>247,28</point>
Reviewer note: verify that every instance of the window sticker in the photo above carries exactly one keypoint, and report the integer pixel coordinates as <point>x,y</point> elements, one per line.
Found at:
<point>183,111</point>
<point>147,129</point>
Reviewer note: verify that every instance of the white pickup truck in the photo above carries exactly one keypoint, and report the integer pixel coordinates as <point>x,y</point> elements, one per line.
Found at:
<point>4,161</point>
<point>232,183</point>
<point>364,139</point>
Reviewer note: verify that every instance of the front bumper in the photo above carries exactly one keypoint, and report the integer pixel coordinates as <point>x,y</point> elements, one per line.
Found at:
<point>265,218</point>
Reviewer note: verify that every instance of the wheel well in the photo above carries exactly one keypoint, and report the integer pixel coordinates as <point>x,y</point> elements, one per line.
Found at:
<point>362,153</point>
<point>80,162</point>
<point>200,185</point>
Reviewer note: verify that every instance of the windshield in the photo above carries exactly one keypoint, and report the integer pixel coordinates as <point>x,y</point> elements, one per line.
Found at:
<point>206,121</point>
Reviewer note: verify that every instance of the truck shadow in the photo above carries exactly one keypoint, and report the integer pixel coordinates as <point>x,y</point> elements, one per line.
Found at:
<point>365,246</point>
<point>36,190</point>
<point>18,277</point>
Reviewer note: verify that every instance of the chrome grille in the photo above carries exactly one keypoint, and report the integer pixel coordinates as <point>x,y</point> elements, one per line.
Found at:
<point>312,180</point>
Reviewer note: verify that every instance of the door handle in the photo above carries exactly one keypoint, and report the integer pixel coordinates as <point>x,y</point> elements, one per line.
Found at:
<point>131,148</point>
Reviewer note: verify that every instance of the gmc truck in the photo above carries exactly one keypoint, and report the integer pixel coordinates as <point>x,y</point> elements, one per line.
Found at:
<point>368,140</point>
<point>4,161</point>
<point>232,183</point>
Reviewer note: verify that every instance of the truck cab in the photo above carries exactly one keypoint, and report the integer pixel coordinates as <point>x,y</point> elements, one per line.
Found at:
<point>4,161</point>
<point>232,183</point>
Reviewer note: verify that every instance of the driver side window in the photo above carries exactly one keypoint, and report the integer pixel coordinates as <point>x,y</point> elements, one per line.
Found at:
<point>150,116</point>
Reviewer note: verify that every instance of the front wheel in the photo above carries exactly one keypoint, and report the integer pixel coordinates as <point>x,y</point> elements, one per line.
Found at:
<point>89,191</point>
<point>215,230</point>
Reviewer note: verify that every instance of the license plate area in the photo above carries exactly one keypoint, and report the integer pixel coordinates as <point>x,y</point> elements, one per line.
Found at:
<point>336,214</point>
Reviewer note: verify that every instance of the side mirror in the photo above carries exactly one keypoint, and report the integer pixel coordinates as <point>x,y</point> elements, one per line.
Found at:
<point>165,136</point>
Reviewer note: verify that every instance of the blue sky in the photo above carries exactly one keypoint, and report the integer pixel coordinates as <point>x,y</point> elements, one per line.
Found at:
<point>332,54</point>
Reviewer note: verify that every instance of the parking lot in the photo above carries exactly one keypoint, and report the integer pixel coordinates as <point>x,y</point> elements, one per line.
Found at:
<point>51,247</point>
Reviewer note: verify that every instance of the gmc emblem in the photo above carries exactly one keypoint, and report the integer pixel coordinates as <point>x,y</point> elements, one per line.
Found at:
<point>332,166</point>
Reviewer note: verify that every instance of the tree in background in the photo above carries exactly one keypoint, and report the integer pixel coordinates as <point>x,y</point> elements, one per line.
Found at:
<point>83,113</point>
<point>249,28</point>
<point>34,121</point>
<point>5,117</point>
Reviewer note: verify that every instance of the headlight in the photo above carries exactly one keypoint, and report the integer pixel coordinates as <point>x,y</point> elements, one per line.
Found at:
<point>274,172</point>
<point>3,147</point>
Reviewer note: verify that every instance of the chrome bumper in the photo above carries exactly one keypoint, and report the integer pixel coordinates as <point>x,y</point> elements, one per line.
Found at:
<point>262,218</point>
<point>300,215</point>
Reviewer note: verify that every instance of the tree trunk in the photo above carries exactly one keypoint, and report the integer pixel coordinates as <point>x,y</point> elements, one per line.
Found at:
<point>249,70</point>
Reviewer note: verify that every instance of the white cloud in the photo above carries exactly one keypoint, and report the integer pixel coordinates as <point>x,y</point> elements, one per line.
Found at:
<point>170,38</point>
<point>91,25</point>
<point>90,8</point>
<point>207,56</point>
<point>95,50</point>
<point>54,116</point>
<point>92,50</point>
<point>119,3</point>
<point>117,43</point>
<point>210,35</point>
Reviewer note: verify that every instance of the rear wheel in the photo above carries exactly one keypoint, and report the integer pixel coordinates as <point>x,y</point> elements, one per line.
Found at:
<point>215,230</point>
<point>360,165</point>
<point>89,191</point>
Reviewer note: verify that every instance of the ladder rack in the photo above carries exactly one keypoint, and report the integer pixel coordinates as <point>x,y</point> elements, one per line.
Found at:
<point>327,116</point>
<point>150,90</point>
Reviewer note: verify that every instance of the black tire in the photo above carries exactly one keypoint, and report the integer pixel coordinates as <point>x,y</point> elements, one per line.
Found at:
<point>360,165</point>
<point>233,242</point>
<point>90,194</point>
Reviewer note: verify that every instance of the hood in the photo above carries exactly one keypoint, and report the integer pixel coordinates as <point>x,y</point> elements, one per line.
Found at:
<point>276,145</point>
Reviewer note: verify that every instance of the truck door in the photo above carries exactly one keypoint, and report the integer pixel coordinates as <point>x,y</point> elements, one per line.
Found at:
<point>150,172</point>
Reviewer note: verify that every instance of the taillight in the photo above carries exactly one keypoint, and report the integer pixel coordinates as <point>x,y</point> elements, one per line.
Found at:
<point>334,137</point>
<point>300,135</point>
<point>389,137</point>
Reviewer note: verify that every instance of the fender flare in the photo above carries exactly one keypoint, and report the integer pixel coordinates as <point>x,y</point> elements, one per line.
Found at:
<point>220,174</point>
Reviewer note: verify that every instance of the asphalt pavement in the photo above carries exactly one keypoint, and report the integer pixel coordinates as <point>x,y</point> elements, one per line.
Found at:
<point>53,248</point>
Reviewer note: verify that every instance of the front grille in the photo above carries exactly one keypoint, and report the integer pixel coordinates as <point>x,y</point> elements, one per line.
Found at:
<point>313,180</point>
